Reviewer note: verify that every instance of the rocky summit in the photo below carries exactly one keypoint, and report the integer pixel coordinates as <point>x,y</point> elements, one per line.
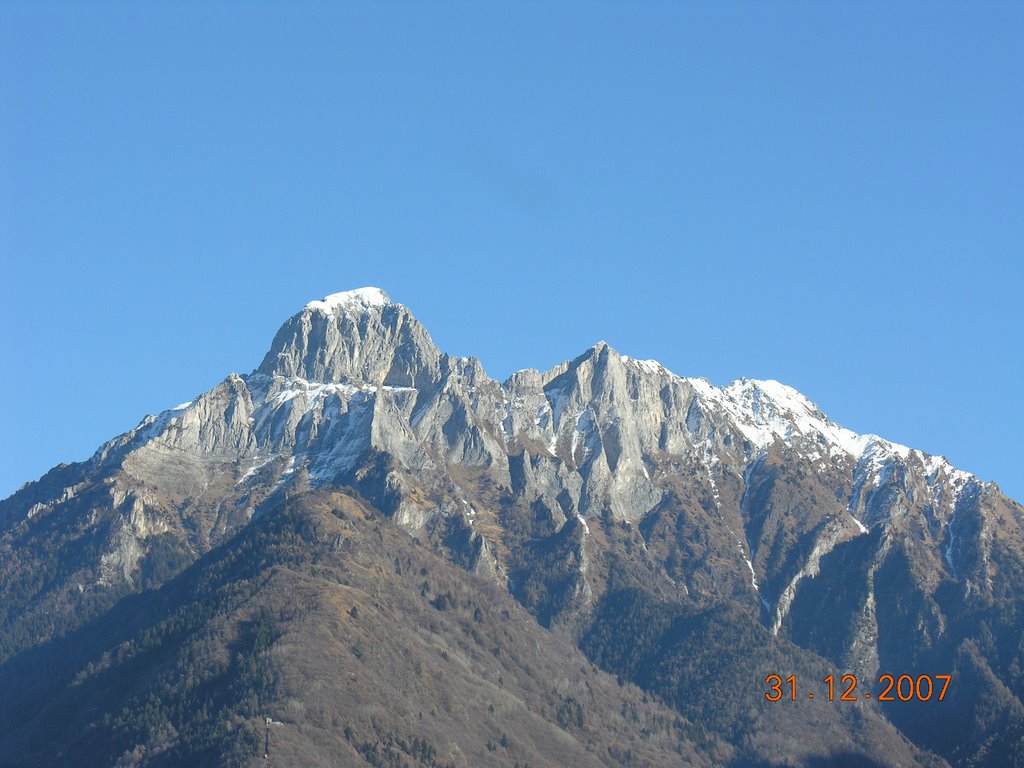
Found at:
<point>368,552</point>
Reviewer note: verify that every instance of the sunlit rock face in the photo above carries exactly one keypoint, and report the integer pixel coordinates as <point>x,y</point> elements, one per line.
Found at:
<point>356,336</point>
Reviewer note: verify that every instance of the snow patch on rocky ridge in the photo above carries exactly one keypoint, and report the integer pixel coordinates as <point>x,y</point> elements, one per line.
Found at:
<point>360,297</point>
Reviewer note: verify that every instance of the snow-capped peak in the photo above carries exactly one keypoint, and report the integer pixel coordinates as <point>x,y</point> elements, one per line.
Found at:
<point>766,409</point>
<point>360,297</point>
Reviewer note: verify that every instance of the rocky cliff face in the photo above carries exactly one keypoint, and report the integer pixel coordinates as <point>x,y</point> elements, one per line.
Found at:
<point>566,488</point>
<point>357,336</point>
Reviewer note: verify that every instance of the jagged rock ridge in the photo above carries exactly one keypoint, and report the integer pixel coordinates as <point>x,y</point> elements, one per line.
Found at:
<point>562,487</point>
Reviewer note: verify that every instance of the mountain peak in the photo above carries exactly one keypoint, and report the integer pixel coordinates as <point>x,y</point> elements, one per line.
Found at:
<point>654,517</point>
<point>359,335</point>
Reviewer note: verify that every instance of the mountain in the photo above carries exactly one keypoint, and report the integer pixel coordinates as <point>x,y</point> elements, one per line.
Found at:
<point>635,551</point>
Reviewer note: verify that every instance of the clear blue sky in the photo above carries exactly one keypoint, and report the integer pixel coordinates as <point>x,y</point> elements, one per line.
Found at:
<point>828,194</point>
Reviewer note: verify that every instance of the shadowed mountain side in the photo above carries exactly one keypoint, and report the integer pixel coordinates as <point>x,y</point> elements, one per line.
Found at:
<point>363,647</point>
<point>711,666</point>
